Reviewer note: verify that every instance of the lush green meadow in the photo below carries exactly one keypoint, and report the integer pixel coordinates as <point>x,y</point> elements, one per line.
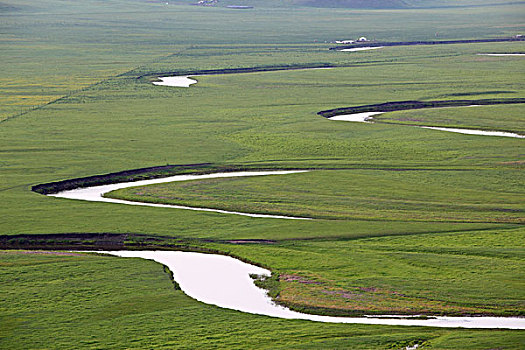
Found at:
<point>472,272</point>
<point>93,302</point>
<point>453,196</point>
<point>54,48</point>
<point>488,118</point>
<point>405,219</point>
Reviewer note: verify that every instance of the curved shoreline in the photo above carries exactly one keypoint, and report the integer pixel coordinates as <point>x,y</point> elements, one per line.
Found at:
<point>225,282</point>
<point>501,54</point>
<point>474,131</point>
<point>96,193</point>
<point>364,48</point>
<point>364,114</point>
<point>176,81</point>
<point>186,81</point>
<point>409,105</point>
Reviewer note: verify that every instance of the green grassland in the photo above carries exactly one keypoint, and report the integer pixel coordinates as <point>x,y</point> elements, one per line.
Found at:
<point>494,196</point>
<point>443,237</point>
<point>488,118</point>
<point>453,273</point>
<point>92,302</point>
<point>258,120</point>
<point>54,48</point>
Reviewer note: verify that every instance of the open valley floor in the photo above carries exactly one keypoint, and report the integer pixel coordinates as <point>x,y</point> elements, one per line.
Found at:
<point>359,200</point>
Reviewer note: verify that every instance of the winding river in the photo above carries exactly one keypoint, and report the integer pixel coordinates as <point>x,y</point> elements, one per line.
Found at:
<point>185,80</point>
<point>367,117</point>
<point>366,48</point>
<point>96,193</point>
<point>501,54</point>
<point>225,282</point>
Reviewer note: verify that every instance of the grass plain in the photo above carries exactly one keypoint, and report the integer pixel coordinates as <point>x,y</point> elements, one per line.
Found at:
<point>474,272</point>
<point>488,118</point>
<point>89,56</point>
<point>91,302</point>
<point>493,196</point>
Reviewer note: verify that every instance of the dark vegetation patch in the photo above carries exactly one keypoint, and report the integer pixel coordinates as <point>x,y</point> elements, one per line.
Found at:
<point>505,53</point>
<point>133,175</point>
<point>99,241</point>
<point>272,68</point>
<point>102,241</point>
<point>110,241</point>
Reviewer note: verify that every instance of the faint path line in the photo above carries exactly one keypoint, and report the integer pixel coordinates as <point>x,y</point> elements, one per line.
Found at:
<point>74,92</point>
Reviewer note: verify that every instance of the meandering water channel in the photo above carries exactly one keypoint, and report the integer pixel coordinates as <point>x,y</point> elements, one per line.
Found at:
<point>185,80</point>
<point>501,54</point>
<point>366,48</point>
<point>367,117</point>
<point>96,193</point>
<point>225,282</point>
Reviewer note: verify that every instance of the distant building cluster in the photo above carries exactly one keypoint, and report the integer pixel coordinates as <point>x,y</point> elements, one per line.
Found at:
<point>360,40</point>
<point>207,2</point>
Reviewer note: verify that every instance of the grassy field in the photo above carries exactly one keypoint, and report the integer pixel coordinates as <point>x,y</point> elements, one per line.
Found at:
<point>53,48</point>
<point>488,118</point>
<point>453,273</point>
<point>444,236</point>
<point>91,302</point>
<point>493,196</point>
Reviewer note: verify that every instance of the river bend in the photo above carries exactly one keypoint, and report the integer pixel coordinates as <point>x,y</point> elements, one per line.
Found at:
<point>96,193</point>
<point>225,282</point>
